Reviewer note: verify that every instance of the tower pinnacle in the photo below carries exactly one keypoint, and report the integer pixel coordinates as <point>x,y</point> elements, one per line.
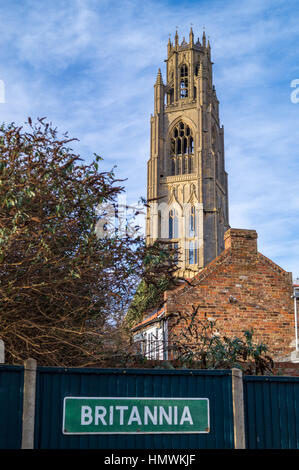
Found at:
<point>204,38</point>
<point>176,39</point>
<point>159,80</point>
<point>191,37</point>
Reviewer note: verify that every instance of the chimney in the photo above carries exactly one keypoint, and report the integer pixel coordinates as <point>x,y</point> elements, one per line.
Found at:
<point>242,241</point>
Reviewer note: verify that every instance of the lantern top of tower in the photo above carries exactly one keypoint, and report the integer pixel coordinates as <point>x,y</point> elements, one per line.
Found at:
<point>177,46</point>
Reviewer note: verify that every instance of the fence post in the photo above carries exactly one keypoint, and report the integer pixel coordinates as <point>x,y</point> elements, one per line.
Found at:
<point>2,352</point>
<point>29,404</point>
<point>238,409</point>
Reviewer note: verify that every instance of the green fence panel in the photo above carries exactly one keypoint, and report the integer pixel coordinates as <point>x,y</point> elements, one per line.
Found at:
<point>11,406</point>
<point>56,386</point>
<point>271,412</point>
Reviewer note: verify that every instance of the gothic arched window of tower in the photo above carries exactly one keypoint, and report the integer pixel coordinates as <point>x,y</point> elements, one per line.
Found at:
<point>181,150</point>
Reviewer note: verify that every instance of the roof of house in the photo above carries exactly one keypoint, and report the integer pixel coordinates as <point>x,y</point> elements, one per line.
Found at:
<point>216,264</point>
<point>152,318</point>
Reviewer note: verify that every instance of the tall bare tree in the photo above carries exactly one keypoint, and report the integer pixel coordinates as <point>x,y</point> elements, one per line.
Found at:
<point>63,288</point>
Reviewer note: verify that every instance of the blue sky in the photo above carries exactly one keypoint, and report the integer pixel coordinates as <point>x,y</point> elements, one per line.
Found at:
<point>89,66</point>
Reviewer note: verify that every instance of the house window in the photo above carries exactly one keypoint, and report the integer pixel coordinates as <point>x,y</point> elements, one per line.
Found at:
<point>154,346</point>
<point>140,343</point>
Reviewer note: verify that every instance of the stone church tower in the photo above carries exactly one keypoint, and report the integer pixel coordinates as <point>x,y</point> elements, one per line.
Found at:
<point>187,181</point>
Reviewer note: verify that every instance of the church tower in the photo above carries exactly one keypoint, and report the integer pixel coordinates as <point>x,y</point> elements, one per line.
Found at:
<point>187,181</point>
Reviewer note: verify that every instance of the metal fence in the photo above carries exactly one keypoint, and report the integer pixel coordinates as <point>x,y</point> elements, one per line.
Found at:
<point>53,385</point>
<point>244,411</point>
<point>271,412</point>
<point>11,406</point>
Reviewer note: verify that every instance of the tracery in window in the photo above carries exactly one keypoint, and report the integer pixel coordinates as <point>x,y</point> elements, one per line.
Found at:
<point>181,150</point>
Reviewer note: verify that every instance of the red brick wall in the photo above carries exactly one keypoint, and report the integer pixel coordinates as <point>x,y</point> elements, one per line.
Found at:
<point>242,289</point>
<point>287,368</point>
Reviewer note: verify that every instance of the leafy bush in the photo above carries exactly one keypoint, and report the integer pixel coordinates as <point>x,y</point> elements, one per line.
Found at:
<point>199,345</point>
